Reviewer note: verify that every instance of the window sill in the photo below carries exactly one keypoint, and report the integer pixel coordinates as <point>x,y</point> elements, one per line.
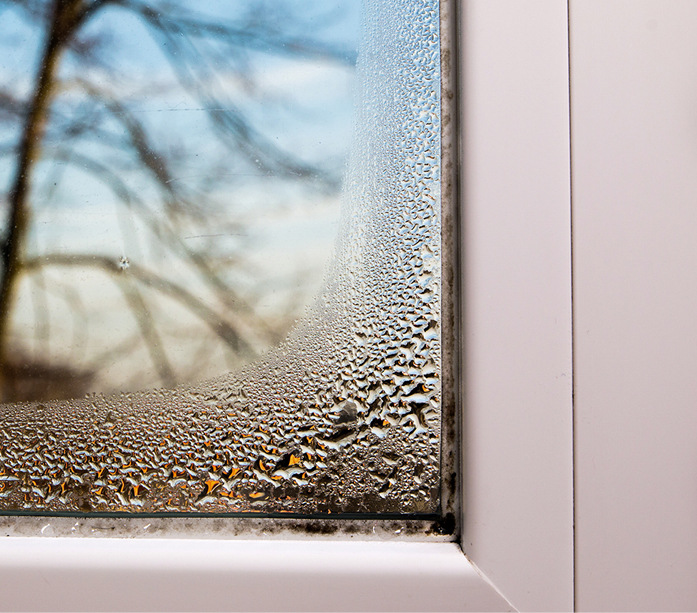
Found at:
<point>121,574</point>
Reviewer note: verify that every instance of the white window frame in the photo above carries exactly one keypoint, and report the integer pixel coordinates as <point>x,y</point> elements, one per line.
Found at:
<point>517,393</point>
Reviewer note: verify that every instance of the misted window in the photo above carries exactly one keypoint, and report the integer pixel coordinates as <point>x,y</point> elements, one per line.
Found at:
<point>220,282</point>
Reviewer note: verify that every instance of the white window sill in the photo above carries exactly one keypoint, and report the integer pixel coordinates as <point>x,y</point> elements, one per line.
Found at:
<point>206,575</point>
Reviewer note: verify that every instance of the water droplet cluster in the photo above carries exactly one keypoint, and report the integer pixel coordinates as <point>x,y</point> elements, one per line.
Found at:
<point>345,415</point>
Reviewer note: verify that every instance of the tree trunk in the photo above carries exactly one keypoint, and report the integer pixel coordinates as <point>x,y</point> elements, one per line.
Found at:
<point>63,19</point>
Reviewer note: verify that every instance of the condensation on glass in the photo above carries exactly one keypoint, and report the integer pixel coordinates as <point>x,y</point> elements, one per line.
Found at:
<point>344,417</point>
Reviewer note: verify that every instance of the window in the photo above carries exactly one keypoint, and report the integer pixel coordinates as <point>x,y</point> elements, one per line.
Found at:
<point>513,57</point>
<point>344,417</point>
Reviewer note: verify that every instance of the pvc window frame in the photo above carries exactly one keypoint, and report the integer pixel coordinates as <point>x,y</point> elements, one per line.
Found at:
<point>516,548</point>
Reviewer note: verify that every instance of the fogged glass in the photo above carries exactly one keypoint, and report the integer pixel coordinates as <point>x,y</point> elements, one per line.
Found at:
<point>171,171</point>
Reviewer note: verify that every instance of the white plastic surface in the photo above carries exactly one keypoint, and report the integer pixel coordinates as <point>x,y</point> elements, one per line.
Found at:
<point>634,111</point>
<point>517,292</point>
<point>188,575</point>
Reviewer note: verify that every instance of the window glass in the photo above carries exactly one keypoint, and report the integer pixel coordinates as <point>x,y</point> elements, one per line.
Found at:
<point>170,175</point>
<point>343,416</point>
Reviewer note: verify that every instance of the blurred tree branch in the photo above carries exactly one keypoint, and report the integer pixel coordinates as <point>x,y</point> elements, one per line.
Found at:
<point>90,115</point>
<point>231,334</point>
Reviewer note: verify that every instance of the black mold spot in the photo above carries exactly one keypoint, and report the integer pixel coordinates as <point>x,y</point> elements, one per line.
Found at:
<point>445,525</point>
<point>320,528</point>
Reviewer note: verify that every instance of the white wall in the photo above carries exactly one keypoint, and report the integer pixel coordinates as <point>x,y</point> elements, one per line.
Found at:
<point>634,138</point>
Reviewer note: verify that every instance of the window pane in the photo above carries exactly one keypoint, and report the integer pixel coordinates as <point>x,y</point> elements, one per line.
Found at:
<point>344,415</point>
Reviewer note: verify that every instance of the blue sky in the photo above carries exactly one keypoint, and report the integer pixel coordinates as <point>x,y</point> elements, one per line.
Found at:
<point>300,106</point>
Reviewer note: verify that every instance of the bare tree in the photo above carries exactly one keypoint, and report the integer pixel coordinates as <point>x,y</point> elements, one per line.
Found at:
<point>76,116</point>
